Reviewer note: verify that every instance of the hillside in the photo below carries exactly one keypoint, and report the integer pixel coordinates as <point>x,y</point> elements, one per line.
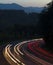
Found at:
<point>14,6</point>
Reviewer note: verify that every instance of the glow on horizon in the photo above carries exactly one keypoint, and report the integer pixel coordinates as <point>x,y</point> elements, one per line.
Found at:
<point>26,3</point>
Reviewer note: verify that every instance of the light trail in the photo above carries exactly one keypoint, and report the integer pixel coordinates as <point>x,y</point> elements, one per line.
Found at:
<point>24,52</point>
<point>12,57</point>
<point>15,49</point>
<point>34,58</point>
<point>12,54</point>
<point>6,53</point>
<point>18,47</point>
<point>21,43</point>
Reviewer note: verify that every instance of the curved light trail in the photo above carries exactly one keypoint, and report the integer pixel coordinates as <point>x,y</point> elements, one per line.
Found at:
<point>20,49</point>
<point>12,57</point>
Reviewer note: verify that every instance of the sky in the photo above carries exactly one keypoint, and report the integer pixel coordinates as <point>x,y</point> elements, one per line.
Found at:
<point>26,3</point>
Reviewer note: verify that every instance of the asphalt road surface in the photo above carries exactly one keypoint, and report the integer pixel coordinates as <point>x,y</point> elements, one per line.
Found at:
<point>18,54</point>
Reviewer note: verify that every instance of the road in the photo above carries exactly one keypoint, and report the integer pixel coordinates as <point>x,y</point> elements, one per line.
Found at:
<point>20,55</point>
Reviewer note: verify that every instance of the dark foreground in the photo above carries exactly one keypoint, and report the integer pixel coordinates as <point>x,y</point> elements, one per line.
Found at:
<point>2,59</point>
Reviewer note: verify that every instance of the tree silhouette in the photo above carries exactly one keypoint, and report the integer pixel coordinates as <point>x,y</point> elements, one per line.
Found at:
<point>47,26</point>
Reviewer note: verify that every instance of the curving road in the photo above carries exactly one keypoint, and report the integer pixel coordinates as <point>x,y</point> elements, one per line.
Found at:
<point>19,54</point>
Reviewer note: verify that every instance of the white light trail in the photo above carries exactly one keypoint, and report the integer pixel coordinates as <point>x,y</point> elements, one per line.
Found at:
<point>12,57</point>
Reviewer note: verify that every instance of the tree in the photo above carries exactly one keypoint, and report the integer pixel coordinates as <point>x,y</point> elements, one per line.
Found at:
<point>47,26</point>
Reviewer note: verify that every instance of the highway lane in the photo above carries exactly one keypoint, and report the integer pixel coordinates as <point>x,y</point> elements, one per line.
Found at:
<point>20,44</point>
<point>35,58</point>
<point>8,53</point>
<point>26,60</point>
<point>8,56</point>
<point>25,42</point>
<point>11,58</point>
<point>17,47</point>
<point>19,55</point>
<point>38,60</point>
<point>23,49</point>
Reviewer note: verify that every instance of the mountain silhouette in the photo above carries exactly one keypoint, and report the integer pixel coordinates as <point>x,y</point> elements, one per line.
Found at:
<point>11,6</point>
<point>15,6</point>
